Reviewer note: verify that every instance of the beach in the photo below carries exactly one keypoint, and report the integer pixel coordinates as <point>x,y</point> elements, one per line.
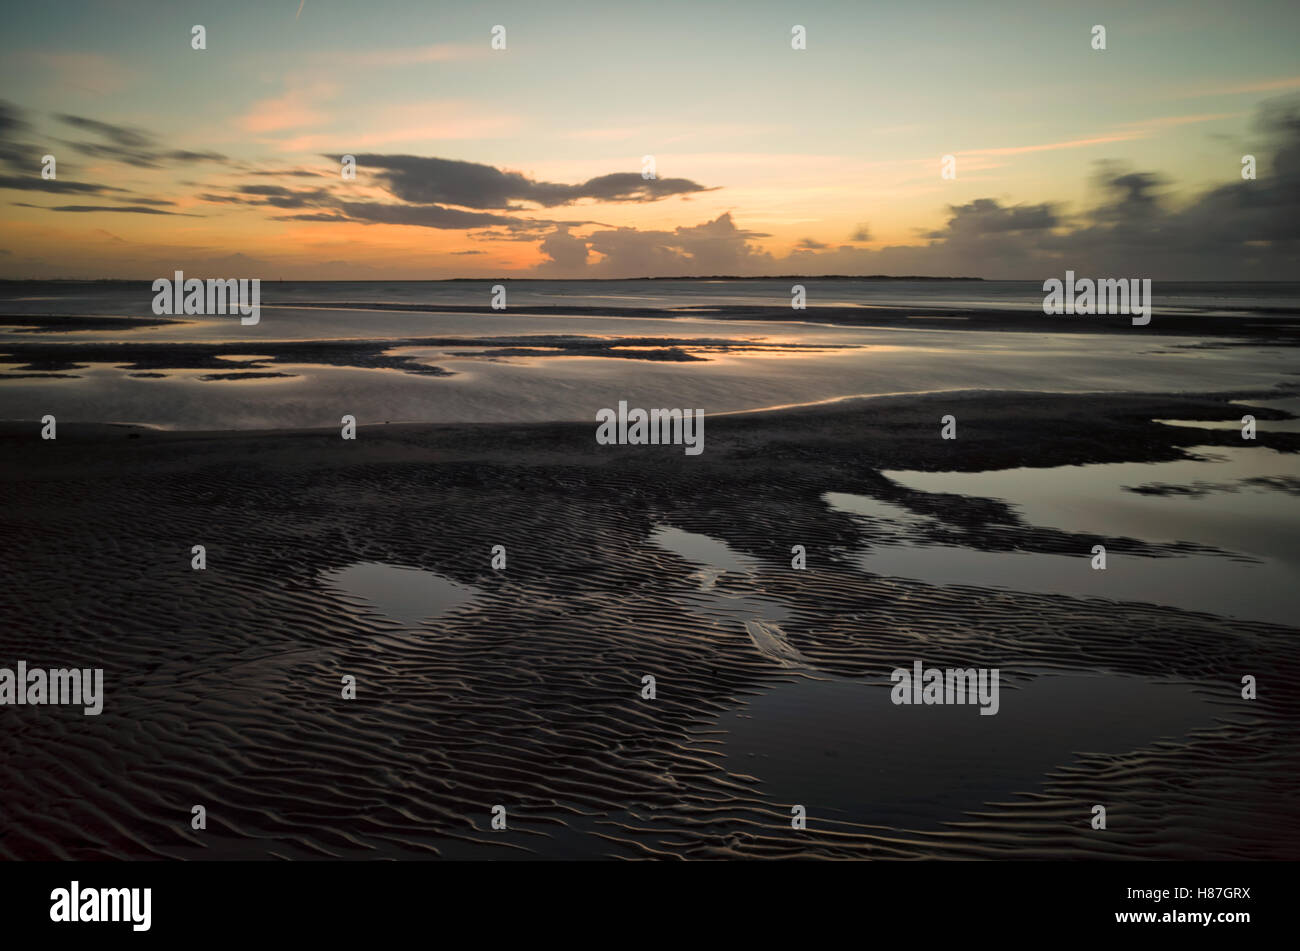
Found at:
<point>522,685</point>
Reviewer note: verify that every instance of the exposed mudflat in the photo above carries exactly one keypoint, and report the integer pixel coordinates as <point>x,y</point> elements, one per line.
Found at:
<point>522,686</point>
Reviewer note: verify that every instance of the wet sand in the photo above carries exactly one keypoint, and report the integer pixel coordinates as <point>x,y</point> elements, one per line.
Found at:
<point>524,689</point>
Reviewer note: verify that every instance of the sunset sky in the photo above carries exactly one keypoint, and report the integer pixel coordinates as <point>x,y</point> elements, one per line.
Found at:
<point>527,161</point>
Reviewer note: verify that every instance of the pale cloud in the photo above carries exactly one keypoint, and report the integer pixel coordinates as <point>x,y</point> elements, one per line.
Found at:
<point>1104,139</point>
<point>296,108</point>
<point>274,115</point>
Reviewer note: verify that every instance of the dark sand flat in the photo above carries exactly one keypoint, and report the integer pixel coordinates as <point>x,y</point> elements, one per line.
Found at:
<point>223,686</point>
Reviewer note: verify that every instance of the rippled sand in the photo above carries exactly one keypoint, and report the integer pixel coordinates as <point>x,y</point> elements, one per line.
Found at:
<point>223,686</point>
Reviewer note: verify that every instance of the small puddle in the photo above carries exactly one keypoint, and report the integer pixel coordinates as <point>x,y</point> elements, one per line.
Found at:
<point>1240,501</point>
<point>408,595</point>
<point>702,549</point>
<point>760,617</point>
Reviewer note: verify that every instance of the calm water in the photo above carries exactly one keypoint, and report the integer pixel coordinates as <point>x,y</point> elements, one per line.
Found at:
<point>134,297</point>
<point>508,367</point>
<point>843,750</point>
<point>840,748</point>
<point>410,596</point>
<point>1237,505</point>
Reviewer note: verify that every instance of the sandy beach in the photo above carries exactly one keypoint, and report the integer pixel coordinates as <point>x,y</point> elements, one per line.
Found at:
<point>522,686</point>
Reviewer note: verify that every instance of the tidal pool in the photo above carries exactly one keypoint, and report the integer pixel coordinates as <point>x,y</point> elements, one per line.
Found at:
<point>408,595</point>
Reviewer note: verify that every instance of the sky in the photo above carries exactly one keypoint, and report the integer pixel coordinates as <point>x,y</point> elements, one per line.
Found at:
<point>531,160</point>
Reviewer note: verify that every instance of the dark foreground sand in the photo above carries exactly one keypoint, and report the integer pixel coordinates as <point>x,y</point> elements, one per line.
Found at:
<point>223,685</point>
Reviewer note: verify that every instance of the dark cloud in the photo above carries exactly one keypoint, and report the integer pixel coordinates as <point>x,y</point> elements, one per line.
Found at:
<point>335,209</point>
<point>424,216</point>
<point>185,155</point>
<point>288,173</point>
<point>278,196</point>
<point>311,216</point>
<point>34,183</point>
<point>129,145</point>
<point>471,185</point>
<point>453,195</point>
<point>122,135</point>
<point>1136,188</point>
<point>861,234</point>
<point>23,160</point>
<point>132,209</point>
<point>141,158</point>
<point>20,156</point>
<point>528,229</point>
<point>1132,198</point>
<point>986,216</point>
<point>11,119</point>
<point>715,247</point>
<point>266,190</point>
<point>565,251</point>
<point>124,144</point>
<point>808,244</point>
<point>1243,214</point>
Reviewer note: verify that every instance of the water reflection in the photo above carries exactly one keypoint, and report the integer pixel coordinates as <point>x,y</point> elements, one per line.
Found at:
<point>1238,501</point>
<point>843,750</point>
<point>408,595</point>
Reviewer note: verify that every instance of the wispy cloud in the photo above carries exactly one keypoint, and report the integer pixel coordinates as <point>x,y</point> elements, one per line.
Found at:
<point>296,108</point>
<point>131,146</point>
<point>34,183</point>
<point>128,209</point>
<point>1105,139</point>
